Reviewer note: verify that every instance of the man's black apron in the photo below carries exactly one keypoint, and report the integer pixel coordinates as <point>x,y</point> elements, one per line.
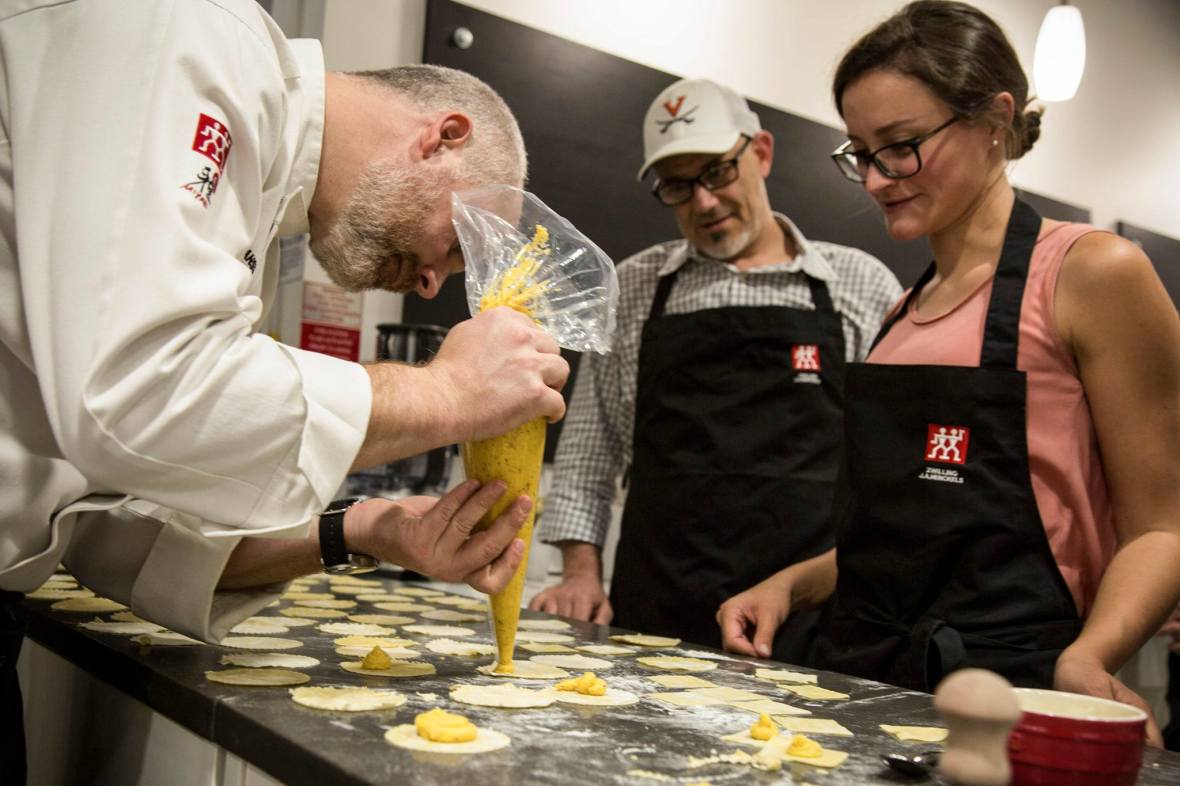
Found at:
<point>943,558</point>
<point>736,449</point>
<point>14,618</point>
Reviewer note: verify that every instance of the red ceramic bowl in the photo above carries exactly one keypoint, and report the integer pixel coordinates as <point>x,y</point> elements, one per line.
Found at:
<point>1066,739</point>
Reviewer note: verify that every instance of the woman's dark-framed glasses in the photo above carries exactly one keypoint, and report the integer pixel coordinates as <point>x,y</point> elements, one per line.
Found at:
<point>896,161</point>
<point>677,190</point>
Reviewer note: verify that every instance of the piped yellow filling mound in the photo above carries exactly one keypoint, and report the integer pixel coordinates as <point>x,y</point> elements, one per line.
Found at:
<point>587,685</point>
<point>804,747</point>
<point>438,725</point>
<point>764,729</point>
<point>376,660</point>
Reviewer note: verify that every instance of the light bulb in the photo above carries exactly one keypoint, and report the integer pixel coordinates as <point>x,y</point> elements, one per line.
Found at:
<point>1060,56</point>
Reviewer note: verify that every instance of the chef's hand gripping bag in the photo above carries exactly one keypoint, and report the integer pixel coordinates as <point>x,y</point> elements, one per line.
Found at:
<point>520,254</point>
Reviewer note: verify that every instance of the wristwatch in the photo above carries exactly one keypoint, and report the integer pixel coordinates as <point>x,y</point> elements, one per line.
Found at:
<point>333,553</point>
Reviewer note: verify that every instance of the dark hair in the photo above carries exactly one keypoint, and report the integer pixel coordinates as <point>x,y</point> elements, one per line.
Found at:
<point>957,51</point>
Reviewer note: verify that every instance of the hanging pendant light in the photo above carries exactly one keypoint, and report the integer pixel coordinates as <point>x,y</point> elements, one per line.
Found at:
<point>1060,56</point>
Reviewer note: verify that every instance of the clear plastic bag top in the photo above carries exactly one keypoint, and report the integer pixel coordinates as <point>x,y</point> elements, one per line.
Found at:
<point>521,254</point>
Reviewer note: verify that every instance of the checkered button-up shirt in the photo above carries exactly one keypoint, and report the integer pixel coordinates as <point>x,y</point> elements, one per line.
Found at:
<point>595,444</point>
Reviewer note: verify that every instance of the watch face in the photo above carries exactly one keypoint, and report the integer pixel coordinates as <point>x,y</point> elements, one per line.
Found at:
<point>341,505</point>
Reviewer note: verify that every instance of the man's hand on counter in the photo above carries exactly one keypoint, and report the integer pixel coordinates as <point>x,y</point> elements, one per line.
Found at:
<point>434,536</point>
<point>580,594</point>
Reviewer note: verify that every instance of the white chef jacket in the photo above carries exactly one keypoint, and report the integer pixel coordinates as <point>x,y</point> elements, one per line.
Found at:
<point>152,154</point>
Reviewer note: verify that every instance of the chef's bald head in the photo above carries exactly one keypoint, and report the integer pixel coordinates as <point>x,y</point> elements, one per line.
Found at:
<point>494,152</point>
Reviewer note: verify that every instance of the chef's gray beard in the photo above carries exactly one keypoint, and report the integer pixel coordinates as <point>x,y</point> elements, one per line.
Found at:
<point>370,246</point>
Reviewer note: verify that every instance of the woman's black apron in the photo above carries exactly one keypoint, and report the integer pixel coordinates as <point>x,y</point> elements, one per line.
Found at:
<point>943,558</point>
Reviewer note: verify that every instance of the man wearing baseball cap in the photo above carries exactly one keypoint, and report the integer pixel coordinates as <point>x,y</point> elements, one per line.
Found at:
<point>722,395</point>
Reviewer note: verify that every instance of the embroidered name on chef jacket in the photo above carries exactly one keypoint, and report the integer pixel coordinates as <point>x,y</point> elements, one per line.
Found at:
<point>806,363</point>
<point>945,445</point>
<point>213,141</point>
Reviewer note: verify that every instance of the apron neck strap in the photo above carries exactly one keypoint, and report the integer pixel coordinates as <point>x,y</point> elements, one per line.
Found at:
<point>663,288</point>
<point>1001,332</point>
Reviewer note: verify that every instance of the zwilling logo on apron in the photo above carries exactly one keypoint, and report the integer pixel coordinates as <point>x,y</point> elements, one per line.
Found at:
<point>945,445</point>
<point>805,363</point>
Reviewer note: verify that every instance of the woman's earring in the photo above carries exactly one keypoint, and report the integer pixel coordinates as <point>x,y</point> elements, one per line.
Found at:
<point>995,142</point>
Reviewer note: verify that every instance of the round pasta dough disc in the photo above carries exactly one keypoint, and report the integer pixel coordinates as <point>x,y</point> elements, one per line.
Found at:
<point>307,612</point>
<point>126,616</point>
<point>288,622</point>
<point>576,662</point>
<point>327,604</point>
<point>406,736</point>
<point>355,581</point>
<point>504,696</point>
<point>612,698</point>
<point>438,630</point>
<point>393,652</point>
<point>347,699</point>
<point>88,604</point>
<point>403,607</point>
<point>543,636</point>
<point>59,594</point>
<point>257,660</point>
<point>260,643</point>
<point>354,589</point>
<point>254,626</point>
<point>463,648</point>
<point>380,619</point>
<point>677,664</point>
<point>381,597</point>
<point>354,629</point>
<point>306,596</point>
<point>410,668</point>
<point>606,649</point>
<point>372,641</point>
<point>527,670</point>
<point>257,677</point>
<point>545,624</point>
<point>421,592</point>
<point>121,628</point>
<point>450,615</point>
<point>644,640</point>
<point>166,638</point>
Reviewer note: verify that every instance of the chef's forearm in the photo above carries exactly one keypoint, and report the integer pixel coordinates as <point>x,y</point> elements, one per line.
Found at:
<point>579,558</point>
<point>409,415</point>
<point>1139,590</point>
<point>257,562</point>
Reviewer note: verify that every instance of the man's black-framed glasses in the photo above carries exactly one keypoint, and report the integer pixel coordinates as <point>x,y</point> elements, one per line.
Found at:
<point>678,190</point>
<point>896,161</point>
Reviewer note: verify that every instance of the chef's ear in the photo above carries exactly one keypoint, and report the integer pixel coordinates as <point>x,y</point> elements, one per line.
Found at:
<point>448,131</point>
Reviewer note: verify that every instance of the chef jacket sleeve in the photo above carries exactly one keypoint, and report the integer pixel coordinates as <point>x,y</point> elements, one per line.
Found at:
<point>140,306</point>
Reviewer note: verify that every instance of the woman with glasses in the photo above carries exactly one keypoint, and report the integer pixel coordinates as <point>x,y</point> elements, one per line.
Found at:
<point>1012,483</point>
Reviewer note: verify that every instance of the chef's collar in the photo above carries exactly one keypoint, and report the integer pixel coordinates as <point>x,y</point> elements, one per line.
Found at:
<point>305,72</point>
<point>807,259</point>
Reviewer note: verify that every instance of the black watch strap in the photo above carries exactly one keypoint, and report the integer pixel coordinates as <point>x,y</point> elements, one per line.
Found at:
<point>332,548</point>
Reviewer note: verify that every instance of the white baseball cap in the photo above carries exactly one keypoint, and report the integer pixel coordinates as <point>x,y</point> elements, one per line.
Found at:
<point>694,116</point>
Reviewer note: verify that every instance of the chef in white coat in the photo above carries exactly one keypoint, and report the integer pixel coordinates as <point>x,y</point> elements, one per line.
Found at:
<point>150,159</point>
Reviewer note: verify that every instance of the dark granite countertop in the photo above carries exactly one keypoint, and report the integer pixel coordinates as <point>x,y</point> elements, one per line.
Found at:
<point>562,744</point>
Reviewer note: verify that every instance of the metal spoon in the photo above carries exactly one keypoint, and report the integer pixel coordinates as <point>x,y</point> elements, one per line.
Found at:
<point>915,765</point>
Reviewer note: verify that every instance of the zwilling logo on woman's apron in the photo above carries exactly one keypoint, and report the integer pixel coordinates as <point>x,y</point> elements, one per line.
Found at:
<point>945,445</point>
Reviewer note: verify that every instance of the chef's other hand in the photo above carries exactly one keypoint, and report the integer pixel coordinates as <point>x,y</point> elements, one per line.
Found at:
<point>577,597</point>
<point>1080,673</point>
<point>749,620</point>
<point>434,536</point>
<point>498,370</point>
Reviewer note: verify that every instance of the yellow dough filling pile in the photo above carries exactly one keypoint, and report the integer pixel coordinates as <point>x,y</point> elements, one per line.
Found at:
<point>764,729</point>
<point>376,660</point>
<point>438,725</point>
<point>516,456</point>
<point>804,747</point>
<point>587,685</point>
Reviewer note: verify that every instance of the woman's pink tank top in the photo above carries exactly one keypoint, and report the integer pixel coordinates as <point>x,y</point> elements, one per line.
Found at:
<point>1067,476</point>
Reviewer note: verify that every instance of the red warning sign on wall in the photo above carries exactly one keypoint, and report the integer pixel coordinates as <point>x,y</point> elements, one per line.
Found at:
<point>331,321</point>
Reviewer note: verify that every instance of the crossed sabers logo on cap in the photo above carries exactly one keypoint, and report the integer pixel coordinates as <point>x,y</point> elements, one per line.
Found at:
<point>674,110</point>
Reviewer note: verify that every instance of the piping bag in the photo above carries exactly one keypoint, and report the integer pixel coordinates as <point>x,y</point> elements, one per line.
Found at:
<point>521,254</point>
